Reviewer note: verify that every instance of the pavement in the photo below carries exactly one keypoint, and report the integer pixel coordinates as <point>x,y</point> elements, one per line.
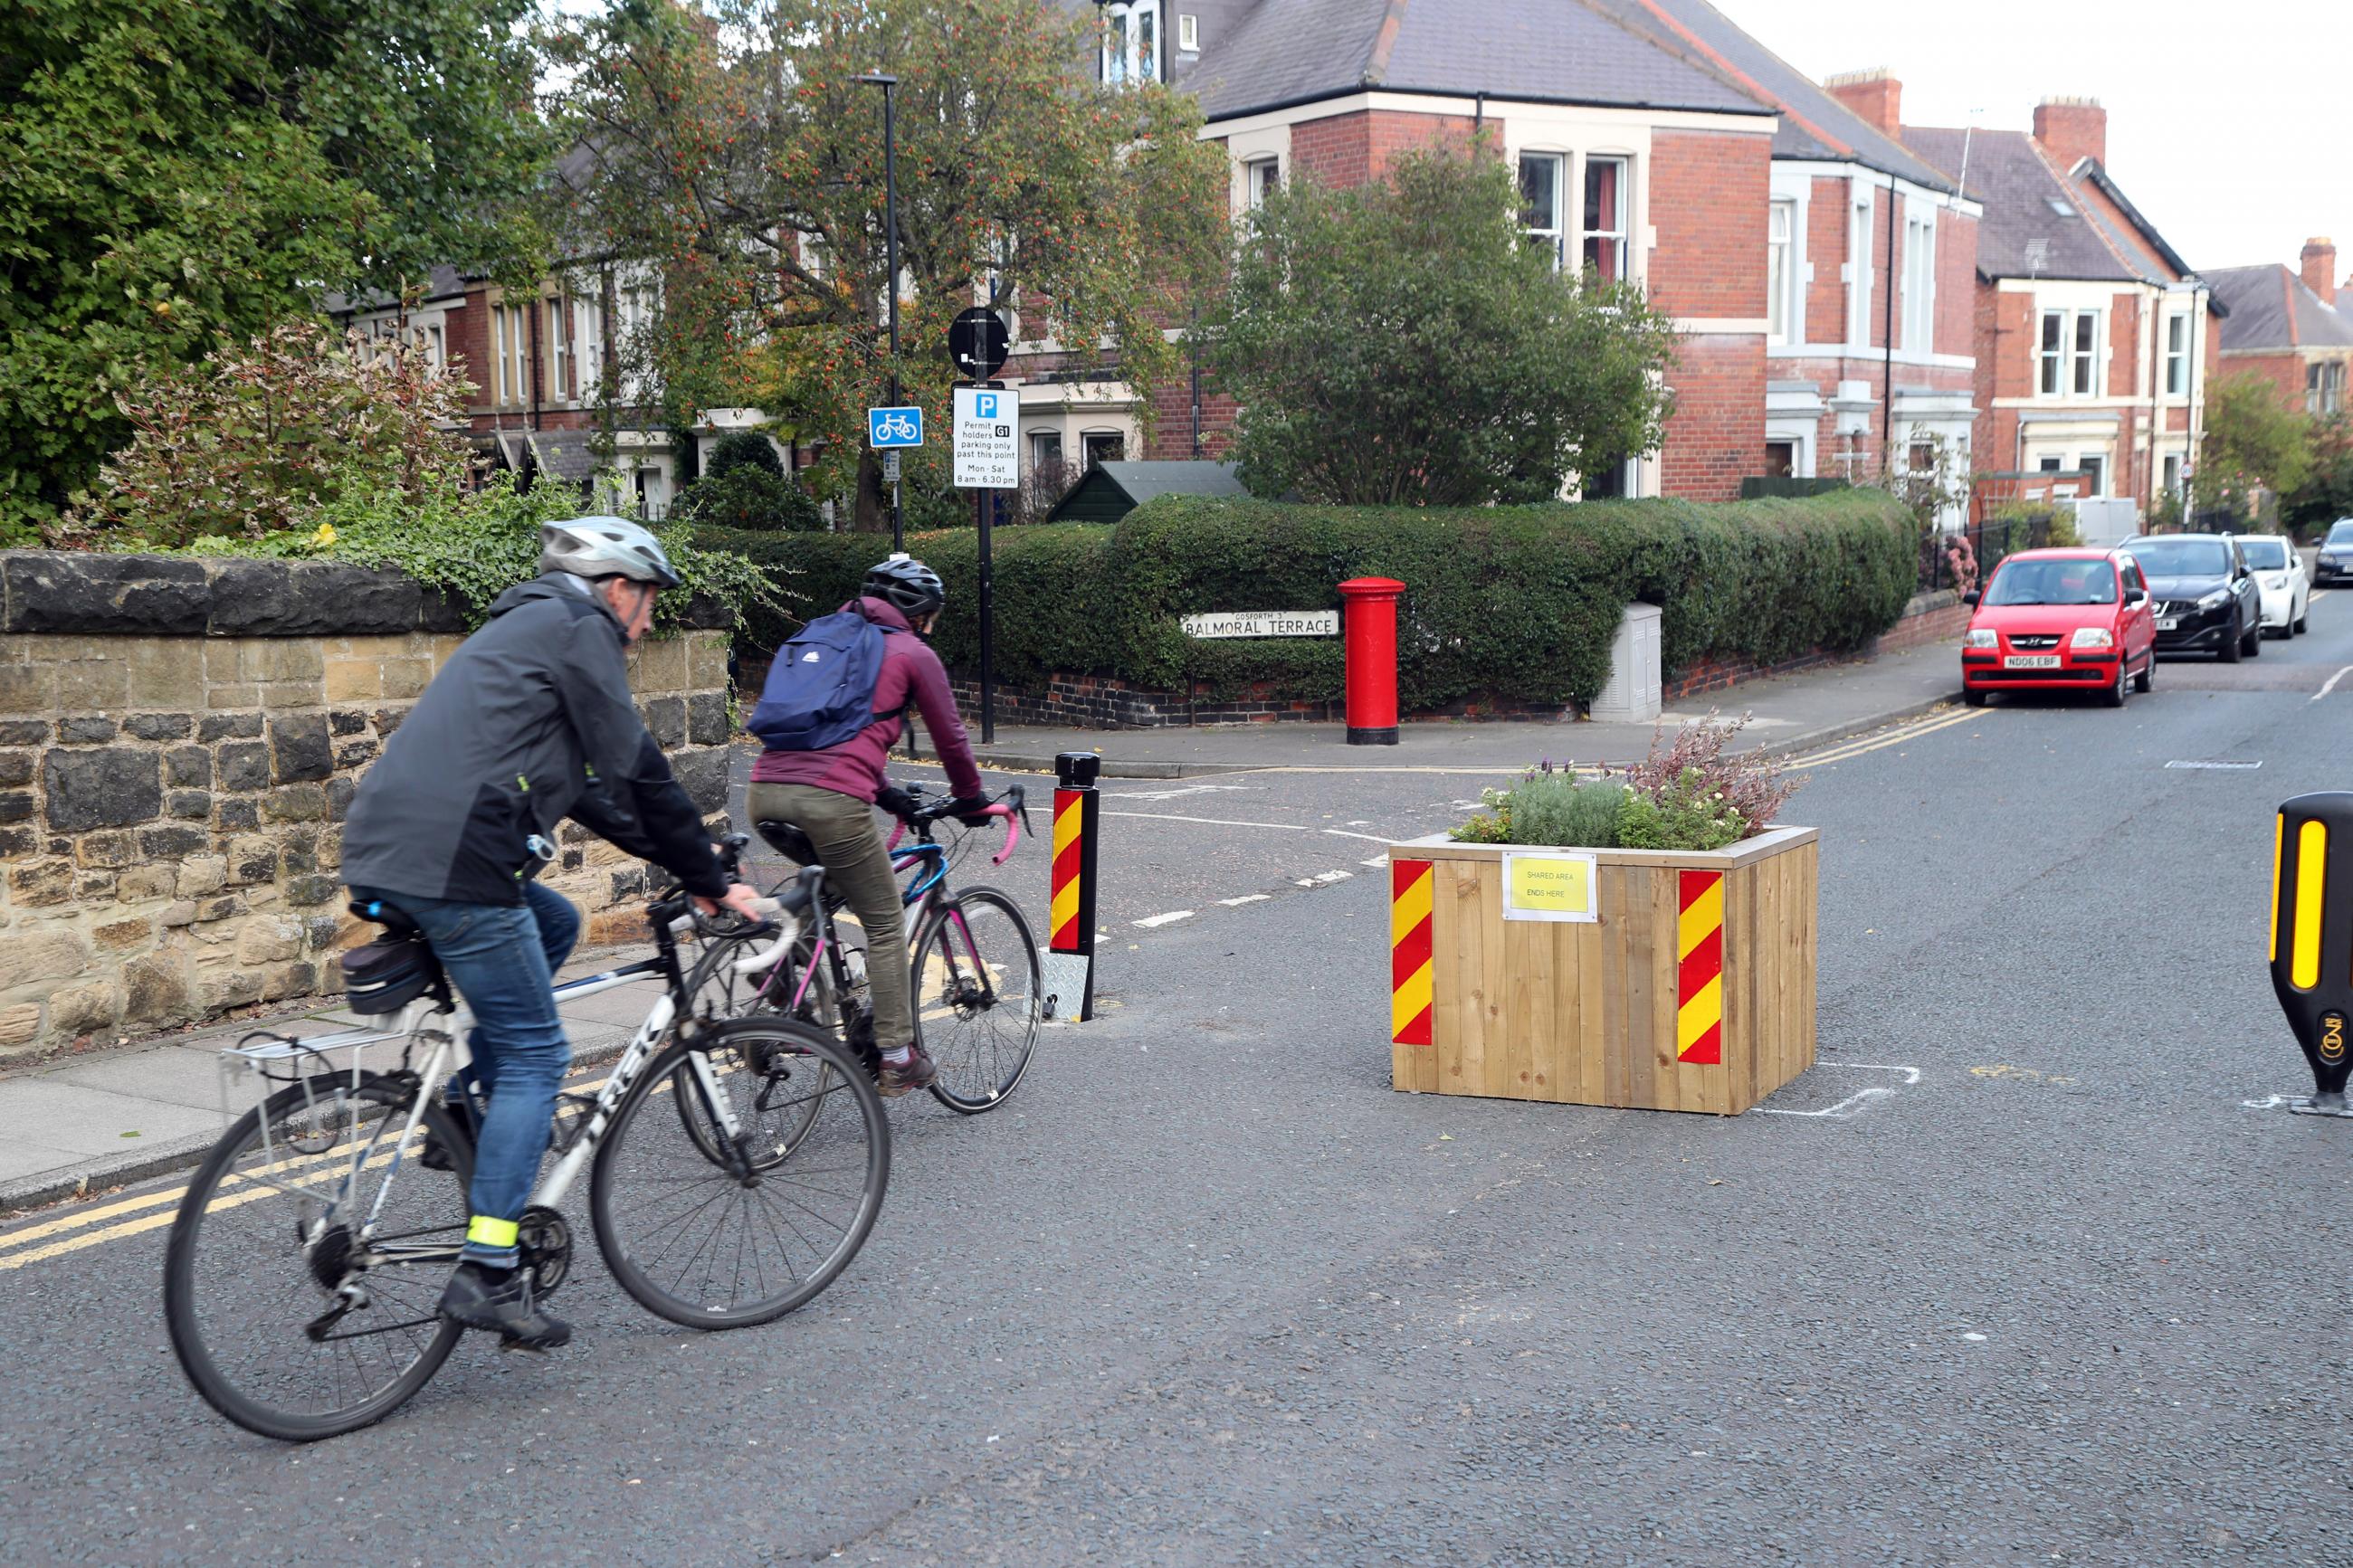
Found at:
<point>1786,714</point>
<point>2033,1267</point>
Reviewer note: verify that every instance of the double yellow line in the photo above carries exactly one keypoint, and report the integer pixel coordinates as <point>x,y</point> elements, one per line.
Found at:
<point>1903,735</point>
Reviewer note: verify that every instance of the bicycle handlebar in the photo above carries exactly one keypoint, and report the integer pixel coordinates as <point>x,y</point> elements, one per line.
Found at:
<point>1012,805</point>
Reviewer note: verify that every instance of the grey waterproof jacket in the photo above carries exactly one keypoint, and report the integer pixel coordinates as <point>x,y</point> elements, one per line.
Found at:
<point>529,722</point>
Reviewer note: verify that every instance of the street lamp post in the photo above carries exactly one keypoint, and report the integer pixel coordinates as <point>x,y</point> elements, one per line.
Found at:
<point>890,262</point>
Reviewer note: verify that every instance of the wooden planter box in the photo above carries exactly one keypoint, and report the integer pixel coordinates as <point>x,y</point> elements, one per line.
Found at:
<point>1692,988</point>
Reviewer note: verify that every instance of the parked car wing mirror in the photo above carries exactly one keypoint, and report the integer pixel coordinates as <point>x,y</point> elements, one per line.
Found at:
<point>2134,596</point>
<point>1971,597</point>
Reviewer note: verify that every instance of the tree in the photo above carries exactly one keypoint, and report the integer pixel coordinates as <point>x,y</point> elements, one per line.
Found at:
<point>744,485</point>
<point>2252,441</point>
<point>1399,343</point>
<point>181,176</point>
<point>738,159</point>
<point>254,439</point>
<point>2327,492</point>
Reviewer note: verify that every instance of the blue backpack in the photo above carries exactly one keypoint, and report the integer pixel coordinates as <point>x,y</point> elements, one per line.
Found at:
<point>820,689</point>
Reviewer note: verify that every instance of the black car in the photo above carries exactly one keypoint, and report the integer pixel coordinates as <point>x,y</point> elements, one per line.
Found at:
<point>2335,553</point>
<point>2207,599</point>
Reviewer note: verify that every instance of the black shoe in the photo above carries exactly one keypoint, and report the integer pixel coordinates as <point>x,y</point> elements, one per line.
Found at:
<point>432,1155</point>
<point>500,1300</point>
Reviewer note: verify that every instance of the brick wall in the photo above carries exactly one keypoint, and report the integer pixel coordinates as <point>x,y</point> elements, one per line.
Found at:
<point>179,742</point>
<point>1337,150</point>
<point>1709,195</point>
<point>1393,131</point>
<point>1715,437</point>
<point>1827,215</point>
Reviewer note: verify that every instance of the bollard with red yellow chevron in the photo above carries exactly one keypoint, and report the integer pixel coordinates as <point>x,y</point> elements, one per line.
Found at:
<point>1069,960</point>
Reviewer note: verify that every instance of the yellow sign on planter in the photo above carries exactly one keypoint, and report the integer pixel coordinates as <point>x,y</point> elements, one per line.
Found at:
<point>1552,886</point>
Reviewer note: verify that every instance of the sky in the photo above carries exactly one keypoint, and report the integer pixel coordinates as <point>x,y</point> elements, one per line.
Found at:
<point>2230,126</point>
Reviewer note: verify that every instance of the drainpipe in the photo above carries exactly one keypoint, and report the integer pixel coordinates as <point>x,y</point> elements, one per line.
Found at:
<point>1887,362</point>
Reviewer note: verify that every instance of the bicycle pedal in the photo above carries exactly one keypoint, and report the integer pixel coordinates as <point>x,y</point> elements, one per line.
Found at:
<point>516,1347</point>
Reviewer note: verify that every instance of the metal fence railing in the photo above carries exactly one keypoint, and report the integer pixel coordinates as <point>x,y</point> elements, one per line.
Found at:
<point>1987,544</point>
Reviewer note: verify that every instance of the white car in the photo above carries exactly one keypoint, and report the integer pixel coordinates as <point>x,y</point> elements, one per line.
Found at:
<point>2280,581</point>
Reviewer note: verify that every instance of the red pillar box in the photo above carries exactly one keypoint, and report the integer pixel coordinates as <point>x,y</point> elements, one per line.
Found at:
<point>1372,659</point>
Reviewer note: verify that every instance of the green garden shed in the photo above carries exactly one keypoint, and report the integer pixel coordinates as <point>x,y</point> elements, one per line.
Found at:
<point>1111,490</point>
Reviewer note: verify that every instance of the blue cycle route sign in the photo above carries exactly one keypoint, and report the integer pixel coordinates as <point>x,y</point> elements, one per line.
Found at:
<point>890,428</point>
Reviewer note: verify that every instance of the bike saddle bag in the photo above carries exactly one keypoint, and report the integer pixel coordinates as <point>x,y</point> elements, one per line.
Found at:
<point>385,975</point>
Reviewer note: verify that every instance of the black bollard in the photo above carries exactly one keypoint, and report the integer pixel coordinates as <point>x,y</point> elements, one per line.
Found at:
<point>2312,939</point>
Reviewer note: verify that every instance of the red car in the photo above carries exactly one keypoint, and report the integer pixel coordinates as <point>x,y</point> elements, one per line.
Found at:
<point>2060,619</point>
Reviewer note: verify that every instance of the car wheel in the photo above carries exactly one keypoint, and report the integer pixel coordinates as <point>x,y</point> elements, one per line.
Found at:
<point>1974,698</point>
<point>2234,647</point>
<point>2147,679</point>
<point>2120,688</point>
<point>2255,640</point>
<point>2303,618</point>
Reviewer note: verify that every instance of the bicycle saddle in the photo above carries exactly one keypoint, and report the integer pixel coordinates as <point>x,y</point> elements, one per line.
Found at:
<point>789,842</point>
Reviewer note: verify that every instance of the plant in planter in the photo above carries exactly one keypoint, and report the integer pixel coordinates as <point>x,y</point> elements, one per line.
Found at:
<point>1642,938</point>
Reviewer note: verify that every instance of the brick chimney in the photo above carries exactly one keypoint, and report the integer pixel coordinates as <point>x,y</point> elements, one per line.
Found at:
<point>2319,261</point>
<point>1875,95</point>
<point>2071,128</point>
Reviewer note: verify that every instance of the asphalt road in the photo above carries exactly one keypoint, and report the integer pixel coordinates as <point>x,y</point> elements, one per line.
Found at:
<point>1207,1290</point>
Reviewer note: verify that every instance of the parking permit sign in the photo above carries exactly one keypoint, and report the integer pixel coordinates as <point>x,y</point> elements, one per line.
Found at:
<point>987,440</point>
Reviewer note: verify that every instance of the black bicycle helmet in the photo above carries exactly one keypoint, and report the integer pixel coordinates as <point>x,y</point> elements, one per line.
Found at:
<point>908,584</point>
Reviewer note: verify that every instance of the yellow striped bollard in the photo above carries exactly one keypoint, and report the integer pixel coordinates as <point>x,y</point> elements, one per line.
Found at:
<point>1070,957</point>
<point>2312,938</point>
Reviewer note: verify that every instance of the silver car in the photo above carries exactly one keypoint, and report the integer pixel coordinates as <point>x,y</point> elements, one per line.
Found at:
<point>2335,553</point>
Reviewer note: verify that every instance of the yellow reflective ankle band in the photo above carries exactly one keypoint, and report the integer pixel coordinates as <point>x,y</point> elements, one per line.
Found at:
<point>487,1232</point>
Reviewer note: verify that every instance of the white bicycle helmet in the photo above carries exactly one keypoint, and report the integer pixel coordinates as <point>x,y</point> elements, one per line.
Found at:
<point>595,547</point>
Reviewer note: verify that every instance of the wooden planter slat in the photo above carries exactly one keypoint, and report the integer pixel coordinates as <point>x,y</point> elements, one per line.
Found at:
<point>1586,1012</point>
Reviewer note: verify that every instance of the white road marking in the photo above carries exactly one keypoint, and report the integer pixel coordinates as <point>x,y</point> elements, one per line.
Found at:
<point>1169,919</point>
<point>1229,821</point>
<point>1185,790</point>
<point>1376,862</point>
<point>1333,875</point>
<point>1246,898</point>
<point>2333,679</point>
<point>1851,1106</point>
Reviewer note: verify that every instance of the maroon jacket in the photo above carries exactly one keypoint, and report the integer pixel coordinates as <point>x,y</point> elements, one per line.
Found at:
<point>910,670</point>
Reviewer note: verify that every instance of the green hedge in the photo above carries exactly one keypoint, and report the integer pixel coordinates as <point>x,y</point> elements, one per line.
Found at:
<point>1518,602</point>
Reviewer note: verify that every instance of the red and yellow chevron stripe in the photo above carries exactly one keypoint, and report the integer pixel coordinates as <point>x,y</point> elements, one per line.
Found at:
<point>1699,977</point>
<point>1410,973</point>
<point>1062,928</point>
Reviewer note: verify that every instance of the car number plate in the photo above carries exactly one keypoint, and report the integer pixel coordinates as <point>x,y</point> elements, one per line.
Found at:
<point>2031,662</point>
<point>2168,622</point>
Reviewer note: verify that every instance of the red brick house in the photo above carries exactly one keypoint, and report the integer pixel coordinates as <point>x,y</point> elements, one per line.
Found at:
<point>2094,340</point>
<point>2291,327</point>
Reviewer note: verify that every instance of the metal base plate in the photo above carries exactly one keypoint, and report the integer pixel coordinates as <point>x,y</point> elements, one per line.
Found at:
<point>2321,1105</point>
<point>1065,977</point>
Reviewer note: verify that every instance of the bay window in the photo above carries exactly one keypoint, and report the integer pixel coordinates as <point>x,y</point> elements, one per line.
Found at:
<point>559,353</point>
<point>1541,177</point>
<point>1605,218</point>
<point>1262,178</point>
<point>1782,273</point>
<point>510,357</point>
<point>2069,354</point>
<point>1131,45</point>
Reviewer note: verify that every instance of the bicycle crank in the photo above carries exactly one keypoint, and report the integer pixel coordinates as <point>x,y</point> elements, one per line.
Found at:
<point>544,1239</point>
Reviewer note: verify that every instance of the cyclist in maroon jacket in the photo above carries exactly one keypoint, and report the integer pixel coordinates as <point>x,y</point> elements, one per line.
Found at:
<point>829,796</point>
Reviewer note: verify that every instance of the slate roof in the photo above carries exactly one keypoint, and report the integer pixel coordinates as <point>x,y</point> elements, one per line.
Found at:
<point>1814,125</point>
<point>2036,224</point>
<point>2271,307</point>
<point>1283,52</point>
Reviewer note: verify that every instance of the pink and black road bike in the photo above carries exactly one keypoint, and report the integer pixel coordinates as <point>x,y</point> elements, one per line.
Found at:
<point>973,960</point>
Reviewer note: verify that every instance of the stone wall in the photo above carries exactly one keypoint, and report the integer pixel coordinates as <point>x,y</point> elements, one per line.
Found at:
<point>179,742</point>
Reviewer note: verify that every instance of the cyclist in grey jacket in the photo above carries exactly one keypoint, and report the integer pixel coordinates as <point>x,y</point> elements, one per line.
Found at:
<point>530,722</point>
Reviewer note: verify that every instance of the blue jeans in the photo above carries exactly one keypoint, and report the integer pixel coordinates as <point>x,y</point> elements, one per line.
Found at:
<point>502,959</point>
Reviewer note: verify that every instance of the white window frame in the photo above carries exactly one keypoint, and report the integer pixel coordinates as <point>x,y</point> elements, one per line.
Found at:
<point>1038,457</point>
<point>588,347</point>
<point>1617,235</point>
<point>1858,269</point>
<point>1556,236</point>
<point>2324,386</point>
<point>2072,363</point>
<point>509,354</point>
<point>1261,177</point>
<point>1919,280</point>
<point>2176,355</point>
<point>1087,439</point>
<point>1127,56</point>
<point>1781,271</point>
<point>559,348</point>
<point>1188,33</point>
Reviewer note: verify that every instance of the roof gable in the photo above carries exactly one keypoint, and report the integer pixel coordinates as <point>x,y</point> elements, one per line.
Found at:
<point>2272,309</point>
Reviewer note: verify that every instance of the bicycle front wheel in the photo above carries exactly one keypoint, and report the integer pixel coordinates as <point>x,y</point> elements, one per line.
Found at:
<point>978,999</point>
<point>717,1230</point>
<point>303,1283</point>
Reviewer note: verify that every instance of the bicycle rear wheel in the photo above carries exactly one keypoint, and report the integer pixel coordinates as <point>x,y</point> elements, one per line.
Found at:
<point>978,999</point>
<point>297,1306</point>
<point>720,1233</point>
